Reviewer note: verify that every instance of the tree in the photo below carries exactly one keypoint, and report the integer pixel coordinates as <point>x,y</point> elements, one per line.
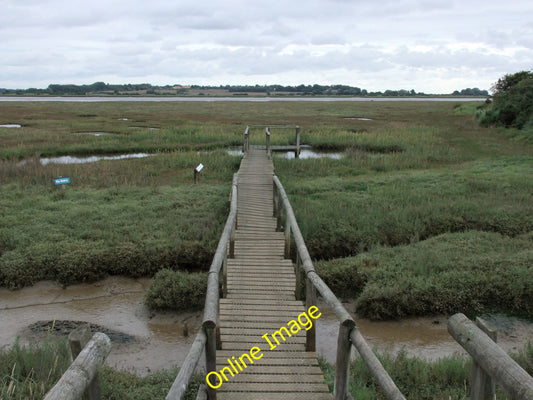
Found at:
<point>512,101</point>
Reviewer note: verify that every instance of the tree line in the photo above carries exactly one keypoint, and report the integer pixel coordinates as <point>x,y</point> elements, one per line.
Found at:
<point>103,88</point>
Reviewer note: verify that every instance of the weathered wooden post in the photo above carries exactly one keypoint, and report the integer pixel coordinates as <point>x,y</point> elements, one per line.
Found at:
<point>288,239</point>
<point>483,387</point>
<point>297,153</point>
<point>511,377</point>
<point>342,364</point>
<point>78,377</point>
<point>310,300</point>
<point>246,146</point>
<point>78,339</point>
<point>279,215</point>
<point>211,354</point>
<point>267,133</point>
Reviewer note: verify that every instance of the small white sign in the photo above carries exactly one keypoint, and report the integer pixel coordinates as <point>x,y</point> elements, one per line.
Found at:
<point>199,167</point>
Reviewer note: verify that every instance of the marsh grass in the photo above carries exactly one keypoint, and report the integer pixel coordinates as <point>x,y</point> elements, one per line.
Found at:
<point>444,379</point>
<point>29,372</point>
<point>415,171</point>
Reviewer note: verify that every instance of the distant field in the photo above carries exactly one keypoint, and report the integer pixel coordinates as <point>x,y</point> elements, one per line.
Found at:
<point>420,187</point>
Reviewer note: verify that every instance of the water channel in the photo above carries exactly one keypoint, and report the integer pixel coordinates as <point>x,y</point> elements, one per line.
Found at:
<point>145,342</point>
<point>89,99</point>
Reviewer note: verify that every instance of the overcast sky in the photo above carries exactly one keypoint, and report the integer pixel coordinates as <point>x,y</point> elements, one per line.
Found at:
<point>432,46</point>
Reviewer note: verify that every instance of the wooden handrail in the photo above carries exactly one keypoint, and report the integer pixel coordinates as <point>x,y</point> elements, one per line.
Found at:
<point>512,378</point>
<point>246,144</point>
<point>348,332</point>
<point>189,365</point>
<point>206,336</point>
<point>77,378</point>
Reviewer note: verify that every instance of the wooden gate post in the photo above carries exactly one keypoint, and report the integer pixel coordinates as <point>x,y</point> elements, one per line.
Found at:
<point>78,339</point>
<point>342,371</point>
<point>310,300</point>
<point>267,132</point>
<point>483,387</point>
<point>297,154</point>
<point>210,355</point>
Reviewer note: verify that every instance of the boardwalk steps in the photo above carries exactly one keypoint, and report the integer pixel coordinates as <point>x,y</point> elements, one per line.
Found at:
<point>260,299</point>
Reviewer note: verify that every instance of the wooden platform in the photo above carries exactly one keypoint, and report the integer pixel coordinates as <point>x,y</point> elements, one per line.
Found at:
<point>260,299</point>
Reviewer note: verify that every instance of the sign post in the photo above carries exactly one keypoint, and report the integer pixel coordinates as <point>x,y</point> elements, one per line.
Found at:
<point>197,172</point>
<point>62,181</point>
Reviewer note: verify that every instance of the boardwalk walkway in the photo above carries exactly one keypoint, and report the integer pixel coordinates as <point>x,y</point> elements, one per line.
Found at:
<point>260,299</point>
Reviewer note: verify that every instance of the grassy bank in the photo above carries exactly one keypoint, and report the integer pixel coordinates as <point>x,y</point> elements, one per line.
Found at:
<point>471,272</point>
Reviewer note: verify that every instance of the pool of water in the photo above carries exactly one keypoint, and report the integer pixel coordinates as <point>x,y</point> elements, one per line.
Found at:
<point>84,160</point>
<point>309,154</point>
<point>305,153</point>
<point>93,133</point>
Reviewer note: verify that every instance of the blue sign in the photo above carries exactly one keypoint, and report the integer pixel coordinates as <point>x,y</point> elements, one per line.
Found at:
<point>61,181</point>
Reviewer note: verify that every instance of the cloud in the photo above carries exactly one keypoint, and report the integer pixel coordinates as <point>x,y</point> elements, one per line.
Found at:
<point>426,44</point>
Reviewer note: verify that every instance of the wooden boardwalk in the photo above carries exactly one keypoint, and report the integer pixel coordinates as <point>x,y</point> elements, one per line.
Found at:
<point>261,299</point>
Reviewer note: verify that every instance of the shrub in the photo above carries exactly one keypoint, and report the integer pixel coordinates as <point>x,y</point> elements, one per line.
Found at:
<point>513,101</point>
<point>176,290</point>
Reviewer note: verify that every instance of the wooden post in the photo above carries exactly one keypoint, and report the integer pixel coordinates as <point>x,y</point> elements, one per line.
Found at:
<point>187,368</point>
<point>274,198</point>
<point>483,388</point>
<point>512,378</point>
<point>297,153</point>
<point>310,300</point>
<point>246,145</point>
<point>78,377</point>
<point>342,364</point>
<point>288,239</point>
<point>78,339</point>
<point>383,379</point>
<point>279,215</point>
<point>210,355</point>
<point>267,132</point>
<point>298,273</point>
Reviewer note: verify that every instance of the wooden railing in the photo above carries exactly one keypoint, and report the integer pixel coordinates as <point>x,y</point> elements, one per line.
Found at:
<point>207,337</point>
<point>246,142</point>
<point>494,363</point>
<point>81,378</point>
<point>348,333</point>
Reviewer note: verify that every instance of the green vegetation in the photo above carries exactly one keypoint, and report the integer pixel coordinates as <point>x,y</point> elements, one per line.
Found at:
<point>447,378</point>
<point>29,372</point>
<point>472,272</point>
<point>105,89</point>
<point>442,226</point>
<point>417,181</point>
<point>177,290</point>
<point>513,102</point>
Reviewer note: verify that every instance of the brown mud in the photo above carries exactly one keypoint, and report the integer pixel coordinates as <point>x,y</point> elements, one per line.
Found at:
<point>144,342</point>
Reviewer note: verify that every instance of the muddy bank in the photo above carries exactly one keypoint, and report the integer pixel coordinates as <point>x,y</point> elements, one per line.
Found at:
<point>144,342</point>
<point>154,341</point>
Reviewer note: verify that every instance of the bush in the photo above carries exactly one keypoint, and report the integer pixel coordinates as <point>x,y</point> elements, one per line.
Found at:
<point>469,272</point>
<point>513,101</point>
<point>177,290</point>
